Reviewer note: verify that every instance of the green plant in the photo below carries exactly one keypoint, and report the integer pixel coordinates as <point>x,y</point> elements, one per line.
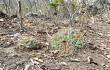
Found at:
<point>73,3</point>
<point>24,9</point>
<point>73,38</point>
<point>61,1</point>
<point>53,4</point>
<point>27,42</point>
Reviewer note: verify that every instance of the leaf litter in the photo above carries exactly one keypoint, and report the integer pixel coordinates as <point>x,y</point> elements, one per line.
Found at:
<point>50,58</point>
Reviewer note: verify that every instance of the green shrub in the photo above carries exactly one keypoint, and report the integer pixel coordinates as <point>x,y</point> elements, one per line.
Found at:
<point>61,1</point>
<point>53,4</point>
<point>69,36</point>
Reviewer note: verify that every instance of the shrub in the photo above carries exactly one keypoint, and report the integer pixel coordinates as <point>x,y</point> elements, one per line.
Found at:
<point>72,37</point>
<point>53,4</point>
<point>27,42</point>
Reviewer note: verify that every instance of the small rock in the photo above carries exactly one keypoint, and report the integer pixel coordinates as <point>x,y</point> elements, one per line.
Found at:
<point>74,60</point>
<point>108,56</point>
<point>108,65</point>
<point>26,67</point>
<point>108,35</point>
<point>55,52</point>
<point>89,59</point>
<point>108,22</point>
<point>34,62</point>
<point>100,34</point>
<point>1,20</point>
<point>107,60</point>
<point>29,67</point>
<point>63,63</point>
<point>1,68</point>
<point>43,67</point>
<point>8,43</point>
<point>37,59</point>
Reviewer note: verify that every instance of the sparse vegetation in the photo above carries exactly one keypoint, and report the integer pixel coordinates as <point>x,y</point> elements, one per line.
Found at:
<point>53,4</point>
<point>54,34</point>
<point>72,37</point>
<point>27,42</point>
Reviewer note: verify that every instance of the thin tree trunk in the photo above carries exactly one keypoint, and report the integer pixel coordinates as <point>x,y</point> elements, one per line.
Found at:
<point>20,16</point>
<point>9,8</point>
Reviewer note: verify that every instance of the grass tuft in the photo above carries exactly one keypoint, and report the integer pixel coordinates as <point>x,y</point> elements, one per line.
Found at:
<point>68,36</point>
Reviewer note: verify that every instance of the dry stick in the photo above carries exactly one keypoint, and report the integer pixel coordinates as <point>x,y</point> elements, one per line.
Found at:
<point>75,13</point>
<point>20,16</point>
<point>9,7</point>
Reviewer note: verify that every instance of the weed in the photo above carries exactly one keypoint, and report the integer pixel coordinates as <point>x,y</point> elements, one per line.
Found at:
<point>27,42</point>
<point>68,36</point>
<point>53,4</point>
<point>61,1</point>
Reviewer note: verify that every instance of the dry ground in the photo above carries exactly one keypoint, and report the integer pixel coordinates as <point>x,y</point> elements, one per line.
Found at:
<point>96,35</point>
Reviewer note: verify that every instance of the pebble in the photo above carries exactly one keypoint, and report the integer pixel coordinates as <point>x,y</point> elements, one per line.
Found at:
<point>1,68</point>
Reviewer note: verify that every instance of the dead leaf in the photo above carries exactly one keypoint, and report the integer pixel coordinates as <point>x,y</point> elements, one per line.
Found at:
<point>100,34</point>
<point>26,67</point>
<point>47,56</point>
<point>7,40</point>
<point>34,62</point>
<point>74,60</point>
<point>63,63</point>
<point>37,59</point>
